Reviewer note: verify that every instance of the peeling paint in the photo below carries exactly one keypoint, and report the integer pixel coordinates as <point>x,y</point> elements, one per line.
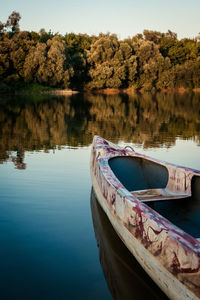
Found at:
<point>177,251</point>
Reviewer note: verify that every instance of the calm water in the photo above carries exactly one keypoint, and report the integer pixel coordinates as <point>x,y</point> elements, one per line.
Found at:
<point>50,222</point>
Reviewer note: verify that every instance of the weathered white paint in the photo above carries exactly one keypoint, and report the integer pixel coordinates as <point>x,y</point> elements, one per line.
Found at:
<point>170,285</point>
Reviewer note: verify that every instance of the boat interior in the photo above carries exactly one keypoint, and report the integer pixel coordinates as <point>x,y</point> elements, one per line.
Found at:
<point>148,180</point>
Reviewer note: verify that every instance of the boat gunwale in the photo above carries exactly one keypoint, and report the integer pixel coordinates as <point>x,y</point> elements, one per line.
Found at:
<point>170,228</point>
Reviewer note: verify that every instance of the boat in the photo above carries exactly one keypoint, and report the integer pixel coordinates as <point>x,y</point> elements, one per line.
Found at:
<point>154,207</point>
<point>123,274</point>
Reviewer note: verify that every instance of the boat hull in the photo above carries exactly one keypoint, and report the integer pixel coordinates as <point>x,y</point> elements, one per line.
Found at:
<point>172,262</point>
<point>123,274</point>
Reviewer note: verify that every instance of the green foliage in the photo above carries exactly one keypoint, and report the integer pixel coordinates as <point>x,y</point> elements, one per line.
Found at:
<point>45,36</point>
<point>188,75</point>
<point>5,64</point>
<point>77,67</point>
<point>112,63</point>
<point>77,42</point>
<point>4,88</point>
<point>165,45</point>
<point>1,27</point>
<point>13,22</point>
<point>12,79</point>
<point>152,60</point>
<point>177,53</point>
<point>153,36</point>
<point>46,63</point>
<point>35,87</point>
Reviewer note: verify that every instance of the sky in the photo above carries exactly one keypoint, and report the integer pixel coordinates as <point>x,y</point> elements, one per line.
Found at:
<point>122,17</point>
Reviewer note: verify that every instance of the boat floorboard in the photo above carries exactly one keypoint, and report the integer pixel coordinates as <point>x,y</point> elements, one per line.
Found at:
<point>150,195</point>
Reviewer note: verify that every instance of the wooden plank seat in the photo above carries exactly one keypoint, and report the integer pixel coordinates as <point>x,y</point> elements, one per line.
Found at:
<point>157,195</point>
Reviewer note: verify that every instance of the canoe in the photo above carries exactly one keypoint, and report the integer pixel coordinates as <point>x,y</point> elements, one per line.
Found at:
<point>154,208</point>
<point>123,274</point>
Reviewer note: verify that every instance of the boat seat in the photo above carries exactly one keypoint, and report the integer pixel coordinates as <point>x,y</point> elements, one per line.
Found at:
<point>157,195</point>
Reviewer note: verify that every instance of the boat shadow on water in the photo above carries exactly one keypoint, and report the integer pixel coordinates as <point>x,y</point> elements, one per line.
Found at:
<point>124,276</point>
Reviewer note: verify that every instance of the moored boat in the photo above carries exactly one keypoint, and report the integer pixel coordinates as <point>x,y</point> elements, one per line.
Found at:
<point>154,207</point>
<point>124,276</point>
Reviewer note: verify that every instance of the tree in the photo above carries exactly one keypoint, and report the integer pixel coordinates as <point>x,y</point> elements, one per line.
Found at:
<point>166,79</point>
<point>77,42</point>
<point>46,63</point>
<point>20,46</point>
<point>151,64</point>
<point>6,68</point>
<point>35,64</point>
<point>177,53</point>
<point>171,35</point>
<point>192,48</point>
<point>2,27</point>
<point>45,36</point>
<point>166,43</point>
<point>56,60</point>
<point>111,63</point>
<point>198,37</point>
<point>13,22</point>
<point>145,61</point>
<point>153,36</point>
<point>76,46</point>
<point>188,74</point>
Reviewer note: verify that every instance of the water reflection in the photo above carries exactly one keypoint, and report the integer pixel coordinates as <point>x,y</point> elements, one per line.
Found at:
<point>50,122</point>
<point>124,276</point>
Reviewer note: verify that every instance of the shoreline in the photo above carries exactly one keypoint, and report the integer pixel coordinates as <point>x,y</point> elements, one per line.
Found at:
<point>46,92</point>
<point>106,91</point>
<point>110,91</point>
<point>113,91</point>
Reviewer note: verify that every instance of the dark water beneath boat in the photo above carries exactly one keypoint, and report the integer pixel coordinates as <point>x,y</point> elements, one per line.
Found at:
<point>48,216</point>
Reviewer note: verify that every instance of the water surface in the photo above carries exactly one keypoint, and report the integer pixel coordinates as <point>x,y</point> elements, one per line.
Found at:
<point>48,223</point>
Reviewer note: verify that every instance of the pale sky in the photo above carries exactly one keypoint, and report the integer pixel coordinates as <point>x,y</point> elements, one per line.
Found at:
<point>124,17</point>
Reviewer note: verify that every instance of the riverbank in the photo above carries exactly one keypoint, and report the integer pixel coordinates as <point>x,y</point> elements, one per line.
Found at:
<point>27,89</point>
<point>39,89</point>
<point>110,91</point>
<point>48,92</point>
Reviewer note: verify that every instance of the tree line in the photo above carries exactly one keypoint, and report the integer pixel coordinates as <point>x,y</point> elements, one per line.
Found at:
<point>147,61</point>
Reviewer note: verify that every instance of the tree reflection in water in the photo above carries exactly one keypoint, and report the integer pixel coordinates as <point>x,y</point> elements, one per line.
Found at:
<point>51,122</point>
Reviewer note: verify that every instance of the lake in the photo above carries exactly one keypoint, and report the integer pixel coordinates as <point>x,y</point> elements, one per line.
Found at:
<point>56,242</point>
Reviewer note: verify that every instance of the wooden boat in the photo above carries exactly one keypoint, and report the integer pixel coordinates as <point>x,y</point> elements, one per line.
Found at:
<point>154,208</point>
<point>123,274</point>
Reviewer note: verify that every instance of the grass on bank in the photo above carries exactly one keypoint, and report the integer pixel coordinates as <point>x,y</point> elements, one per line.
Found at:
<point>21,87</point>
